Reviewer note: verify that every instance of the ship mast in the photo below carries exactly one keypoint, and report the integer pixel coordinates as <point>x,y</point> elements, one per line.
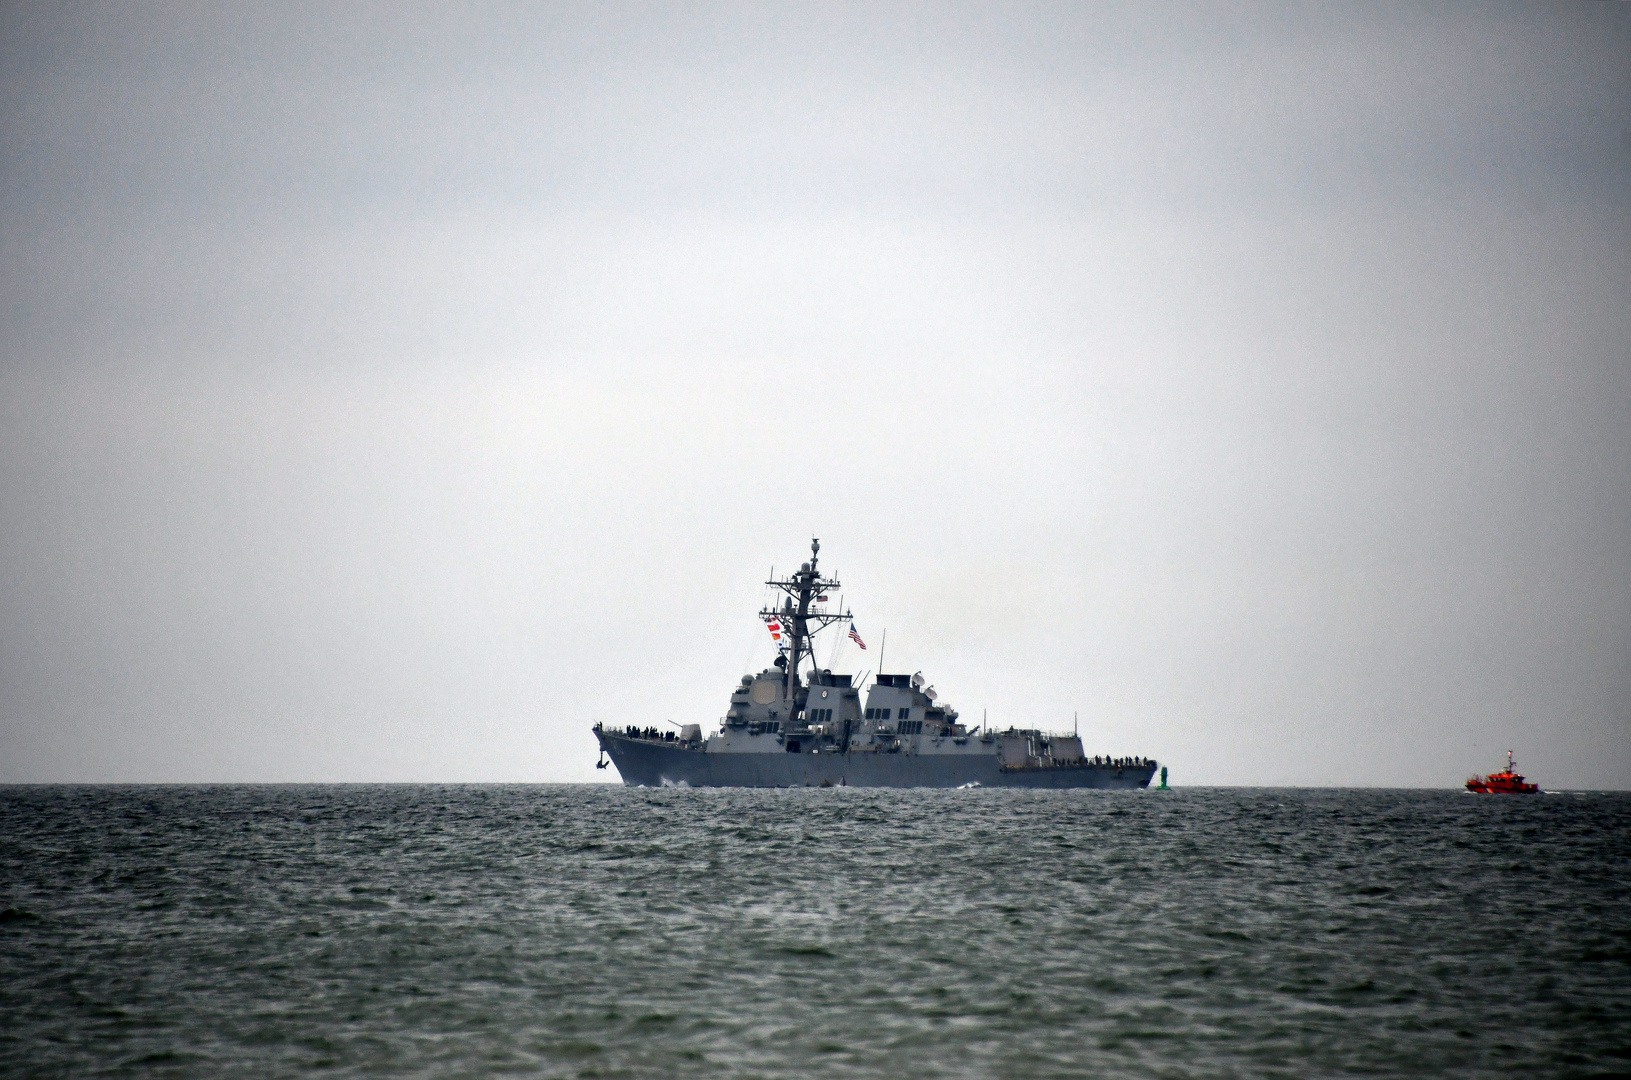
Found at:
<point>802,588</point>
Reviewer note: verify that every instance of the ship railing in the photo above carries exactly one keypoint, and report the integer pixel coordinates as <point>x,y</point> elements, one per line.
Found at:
<point>647,734</point>
<point>1082,763</point>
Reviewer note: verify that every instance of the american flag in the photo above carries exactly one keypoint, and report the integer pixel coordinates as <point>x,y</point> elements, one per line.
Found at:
<point>853,636</point>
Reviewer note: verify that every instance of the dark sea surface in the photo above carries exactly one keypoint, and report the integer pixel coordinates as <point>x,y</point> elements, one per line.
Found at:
<point>602,931</point>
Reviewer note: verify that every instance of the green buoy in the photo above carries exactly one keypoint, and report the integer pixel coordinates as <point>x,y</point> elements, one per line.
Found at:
<point>1163,786</point>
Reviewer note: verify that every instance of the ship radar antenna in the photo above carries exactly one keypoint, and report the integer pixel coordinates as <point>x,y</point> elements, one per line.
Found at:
<point>802,589</point>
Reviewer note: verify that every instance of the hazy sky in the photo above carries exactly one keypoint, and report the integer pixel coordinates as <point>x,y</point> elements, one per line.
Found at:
<point>388,393</point>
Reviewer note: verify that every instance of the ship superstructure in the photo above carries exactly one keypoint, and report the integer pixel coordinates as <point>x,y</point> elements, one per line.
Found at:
<point>791,727</point>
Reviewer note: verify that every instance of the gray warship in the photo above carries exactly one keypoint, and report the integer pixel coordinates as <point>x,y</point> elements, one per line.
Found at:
<point>785,728</point>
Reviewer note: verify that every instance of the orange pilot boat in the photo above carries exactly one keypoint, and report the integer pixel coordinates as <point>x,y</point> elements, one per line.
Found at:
<point>1505,782</point>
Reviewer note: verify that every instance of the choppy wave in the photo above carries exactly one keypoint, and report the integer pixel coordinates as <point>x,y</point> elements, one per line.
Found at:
<point>610,931</point>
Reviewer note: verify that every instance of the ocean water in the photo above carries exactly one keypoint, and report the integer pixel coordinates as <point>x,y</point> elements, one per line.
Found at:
<point>598,931</point>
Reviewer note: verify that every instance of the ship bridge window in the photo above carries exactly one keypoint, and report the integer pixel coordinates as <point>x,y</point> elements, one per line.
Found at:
<point>910,727</point>
<point>901,714</point>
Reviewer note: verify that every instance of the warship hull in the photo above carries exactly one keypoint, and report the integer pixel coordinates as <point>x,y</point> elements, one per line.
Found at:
<point>656,763</point>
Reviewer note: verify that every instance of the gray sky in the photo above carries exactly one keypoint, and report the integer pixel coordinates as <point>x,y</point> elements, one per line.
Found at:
<point>388,393</point>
